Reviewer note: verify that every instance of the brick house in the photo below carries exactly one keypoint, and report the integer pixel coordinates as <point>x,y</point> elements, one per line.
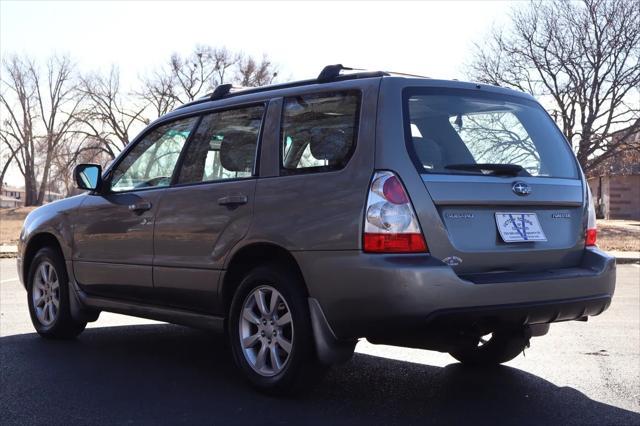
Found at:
<point>615,185</point>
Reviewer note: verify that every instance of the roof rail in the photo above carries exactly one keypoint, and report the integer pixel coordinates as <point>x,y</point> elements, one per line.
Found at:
<point>328,74</point>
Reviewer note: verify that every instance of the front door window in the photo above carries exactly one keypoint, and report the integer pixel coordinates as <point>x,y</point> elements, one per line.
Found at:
<point>152,161</point>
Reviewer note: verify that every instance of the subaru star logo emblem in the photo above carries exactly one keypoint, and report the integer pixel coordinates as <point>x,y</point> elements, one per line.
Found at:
<point>521,188</point>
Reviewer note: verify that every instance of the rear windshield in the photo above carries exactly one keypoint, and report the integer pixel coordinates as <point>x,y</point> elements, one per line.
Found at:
<point>464,132</point>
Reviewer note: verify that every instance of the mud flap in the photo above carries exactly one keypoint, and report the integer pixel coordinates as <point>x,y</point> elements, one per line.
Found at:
<point>329,348</point>
<point>79,312</point>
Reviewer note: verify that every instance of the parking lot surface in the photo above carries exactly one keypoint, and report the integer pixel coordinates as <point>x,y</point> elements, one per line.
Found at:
<point>125,370</point>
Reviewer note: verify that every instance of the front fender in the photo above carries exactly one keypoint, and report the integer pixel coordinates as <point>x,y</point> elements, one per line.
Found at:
<point>51,220</point>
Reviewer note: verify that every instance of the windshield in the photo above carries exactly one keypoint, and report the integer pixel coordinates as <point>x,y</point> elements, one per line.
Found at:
<point>458,131</point>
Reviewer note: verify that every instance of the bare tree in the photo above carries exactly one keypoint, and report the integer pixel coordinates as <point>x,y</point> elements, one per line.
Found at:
<point>52,118</point>
<point>6,158</point>
<point>108,117</point>
<point>186,78</point>
<point>18,99</point>
<point>68,155</point>
<point>58,102</point>
<point>40,110</point>
<point>252,73</point>
<point>159,93</point>
<point>582,57</point>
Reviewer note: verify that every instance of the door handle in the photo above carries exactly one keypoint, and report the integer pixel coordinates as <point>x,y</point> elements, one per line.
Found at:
<point>140,207</point>
<point>231,200</point>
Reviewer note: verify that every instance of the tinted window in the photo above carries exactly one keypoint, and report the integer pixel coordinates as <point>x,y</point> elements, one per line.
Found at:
<point>453,131</point>
<point>223,147</point>
<point>319,131</point>
<point>152,161</point>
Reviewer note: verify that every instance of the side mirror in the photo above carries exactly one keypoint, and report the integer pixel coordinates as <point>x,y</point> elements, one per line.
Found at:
<point>88,176</point>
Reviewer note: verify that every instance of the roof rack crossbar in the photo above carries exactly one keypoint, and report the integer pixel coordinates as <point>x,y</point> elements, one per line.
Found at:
<point>221,91</point>
<point>328,74</point>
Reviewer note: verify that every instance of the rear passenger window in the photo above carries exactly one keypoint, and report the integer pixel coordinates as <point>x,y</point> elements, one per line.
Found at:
<point>319,131</point>
<point>223,147</point>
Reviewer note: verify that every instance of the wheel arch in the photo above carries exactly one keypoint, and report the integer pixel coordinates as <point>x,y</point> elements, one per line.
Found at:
<point>249,256</point>
<point>37,242</point>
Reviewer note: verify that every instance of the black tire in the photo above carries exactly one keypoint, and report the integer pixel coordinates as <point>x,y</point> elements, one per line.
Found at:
<point>301,368</point>
<point>62,326</point>
<point>503,346</point>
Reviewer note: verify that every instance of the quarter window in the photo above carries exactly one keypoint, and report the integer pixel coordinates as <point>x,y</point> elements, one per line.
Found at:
<point>223,147</point>
<point>152,161</point>
<point>318,131</point>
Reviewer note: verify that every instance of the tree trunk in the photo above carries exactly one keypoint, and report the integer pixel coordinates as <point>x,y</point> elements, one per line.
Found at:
<point>5,168</point>
<point>45,180</point>
<point>30,188</point>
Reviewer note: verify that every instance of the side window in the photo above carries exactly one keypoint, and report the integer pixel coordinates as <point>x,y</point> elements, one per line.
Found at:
<point>319,131</point>
<point>223,147</point>
<point>152,161</point>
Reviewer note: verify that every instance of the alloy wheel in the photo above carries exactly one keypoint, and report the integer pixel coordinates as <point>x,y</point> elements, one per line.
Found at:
<point>266,331</point>
<point>46,293</point>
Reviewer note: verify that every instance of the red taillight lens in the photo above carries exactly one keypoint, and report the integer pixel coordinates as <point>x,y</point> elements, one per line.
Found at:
<point>393,191</point>
<point>590,237</point>
<point>394,243</point>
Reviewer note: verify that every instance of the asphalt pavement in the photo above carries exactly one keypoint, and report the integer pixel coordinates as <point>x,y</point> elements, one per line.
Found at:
<point>124,370</point>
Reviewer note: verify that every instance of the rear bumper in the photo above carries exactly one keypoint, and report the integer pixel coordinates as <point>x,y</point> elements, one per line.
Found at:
<point>365,295</point>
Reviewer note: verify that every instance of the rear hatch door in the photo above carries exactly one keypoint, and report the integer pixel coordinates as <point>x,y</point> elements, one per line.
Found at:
<point>503,180</point>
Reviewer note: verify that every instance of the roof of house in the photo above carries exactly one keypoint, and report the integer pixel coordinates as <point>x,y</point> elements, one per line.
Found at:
<point>5,198</point>
<point>12,189</point>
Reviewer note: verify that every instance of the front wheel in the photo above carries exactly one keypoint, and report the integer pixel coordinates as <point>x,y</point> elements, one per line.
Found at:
<point>48,297</point>
<point>269,329</point>
<point>493,349</point>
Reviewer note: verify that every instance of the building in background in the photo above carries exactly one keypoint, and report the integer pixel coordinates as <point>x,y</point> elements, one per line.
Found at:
<point>11,197</point>
<point>10,202</point>
<point>615,184</point>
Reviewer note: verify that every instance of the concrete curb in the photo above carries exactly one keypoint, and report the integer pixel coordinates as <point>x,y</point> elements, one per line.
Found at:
<point>623,257</point>
<point>8,251</point>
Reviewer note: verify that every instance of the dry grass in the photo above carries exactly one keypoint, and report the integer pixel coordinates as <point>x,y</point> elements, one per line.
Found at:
<point>613,235</point>
<point>619,235</point>
<point>11,223</point>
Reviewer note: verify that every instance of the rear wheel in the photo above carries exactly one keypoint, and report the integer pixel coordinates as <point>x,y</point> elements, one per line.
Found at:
<point>48,297</point>
<point>269,330</point>
<point>492,349</point>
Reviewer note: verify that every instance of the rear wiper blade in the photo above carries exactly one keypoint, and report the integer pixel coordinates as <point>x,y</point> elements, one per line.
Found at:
<point>495,169</point>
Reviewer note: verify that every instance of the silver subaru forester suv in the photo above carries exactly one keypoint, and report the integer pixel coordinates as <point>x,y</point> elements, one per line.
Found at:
<point>300,217</point>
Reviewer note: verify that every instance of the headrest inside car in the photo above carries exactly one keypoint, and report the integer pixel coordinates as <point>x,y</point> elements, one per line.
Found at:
<point>429,152</point>
<point>237,151</point>
<point>331,144</point>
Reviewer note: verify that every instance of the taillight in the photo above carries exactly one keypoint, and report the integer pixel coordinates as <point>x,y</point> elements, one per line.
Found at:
<point>390,224</point>
<point>591,233</point>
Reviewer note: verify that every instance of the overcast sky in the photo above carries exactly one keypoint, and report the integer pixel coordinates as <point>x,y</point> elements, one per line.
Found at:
<point>428,38</point>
